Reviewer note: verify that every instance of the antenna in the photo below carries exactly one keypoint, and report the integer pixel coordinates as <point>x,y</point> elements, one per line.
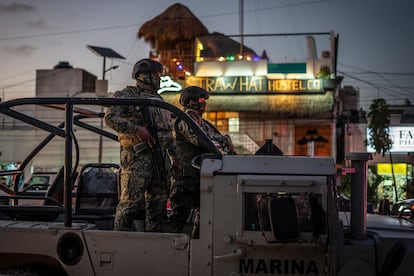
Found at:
<point>241,11</point>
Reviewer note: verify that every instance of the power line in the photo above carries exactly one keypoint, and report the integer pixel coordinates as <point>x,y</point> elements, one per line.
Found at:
<point>268,8</point>
<point>364,71</point>
<point>137,25</point>
<point>30,80</point>
<point>17,75</point>
<point>383,88</point>
<point>392,83</point>
<point>69,32</point>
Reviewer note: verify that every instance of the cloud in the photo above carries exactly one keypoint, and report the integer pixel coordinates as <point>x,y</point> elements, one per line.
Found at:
<point>16,8</point>
<point>39,24</point>
<point>21,50</point>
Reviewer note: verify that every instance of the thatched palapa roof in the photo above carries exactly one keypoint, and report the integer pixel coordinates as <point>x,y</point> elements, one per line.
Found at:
<point>177,23</point>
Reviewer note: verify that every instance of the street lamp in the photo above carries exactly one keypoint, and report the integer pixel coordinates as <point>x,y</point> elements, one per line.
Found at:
<point>111,68</point>
<point>105,53</point>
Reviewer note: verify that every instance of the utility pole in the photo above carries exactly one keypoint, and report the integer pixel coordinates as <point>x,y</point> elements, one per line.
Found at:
<point>241,14</point>
<point>105,53</point>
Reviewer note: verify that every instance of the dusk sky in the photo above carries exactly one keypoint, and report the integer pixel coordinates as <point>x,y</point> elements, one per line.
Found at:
<point>375,51</point>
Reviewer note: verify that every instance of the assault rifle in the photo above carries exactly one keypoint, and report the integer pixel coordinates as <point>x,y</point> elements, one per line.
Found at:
<point>158,156</point>
<point>224,143</point>
<point>222,140</point>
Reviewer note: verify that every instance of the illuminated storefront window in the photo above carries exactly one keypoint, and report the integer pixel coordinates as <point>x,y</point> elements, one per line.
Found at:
<point>224,121</point>
<point>234,124</point>
<point>403,176</point>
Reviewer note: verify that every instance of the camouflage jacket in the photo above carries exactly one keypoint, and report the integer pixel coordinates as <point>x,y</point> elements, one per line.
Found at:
<point>126,119</point>
<point>187,142</point>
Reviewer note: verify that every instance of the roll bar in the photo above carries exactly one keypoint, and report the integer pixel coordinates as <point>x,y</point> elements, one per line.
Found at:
<point>65,129</point>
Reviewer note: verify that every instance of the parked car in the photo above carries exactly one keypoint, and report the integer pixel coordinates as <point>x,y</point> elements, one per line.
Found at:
<point>404,208</point>
<point>39,181</point>
<point>36,187</point>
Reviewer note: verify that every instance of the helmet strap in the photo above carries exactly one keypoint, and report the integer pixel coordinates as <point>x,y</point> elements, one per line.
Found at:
<point>192,110</point>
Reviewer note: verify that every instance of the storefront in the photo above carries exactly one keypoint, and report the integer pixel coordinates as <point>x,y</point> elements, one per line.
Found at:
<point>400,170</point>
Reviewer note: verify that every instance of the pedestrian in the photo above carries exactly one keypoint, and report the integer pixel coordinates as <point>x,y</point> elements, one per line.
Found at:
<point>185,190</point>
<point>144,177</point>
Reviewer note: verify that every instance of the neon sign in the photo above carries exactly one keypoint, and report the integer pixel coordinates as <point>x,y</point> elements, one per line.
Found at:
<point>294,85</point>
<point>167,84</point>
<point>256,84</point>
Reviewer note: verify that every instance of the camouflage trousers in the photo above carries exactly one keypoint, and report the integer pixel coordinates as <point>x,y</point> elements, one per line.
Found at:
<point>184,197</point>
<point>140,189</point>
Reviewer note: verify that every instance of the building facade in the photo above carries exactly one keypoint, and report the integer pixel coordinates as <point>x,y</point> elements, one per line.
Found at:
<point>292,103</point>
<point>17,139</point>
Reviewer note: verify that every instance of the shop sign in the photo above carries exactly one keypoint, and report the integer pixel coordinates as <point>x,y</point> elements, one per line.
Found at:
<point>402,138</point>
<point>397,168</point>
<point>255,84</point>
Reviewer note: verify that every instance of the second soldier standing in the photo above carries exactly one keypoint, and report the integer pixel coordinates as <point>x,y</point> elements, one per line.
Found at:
<point>185,190</point>
<point>139,183</point>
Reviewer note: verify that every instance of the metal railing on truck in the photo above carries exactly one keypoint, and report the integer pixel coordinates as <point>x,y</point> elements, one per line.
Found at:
<point>66,130</point>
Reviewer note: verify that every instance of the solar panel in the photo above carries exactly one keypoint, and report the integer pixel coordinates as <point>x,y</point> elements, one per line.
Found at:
<point>105,52</point>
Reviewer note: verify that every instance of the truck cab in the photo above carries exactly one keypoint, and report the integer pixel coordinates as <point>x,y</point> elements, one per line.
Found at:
<point>267,215</point>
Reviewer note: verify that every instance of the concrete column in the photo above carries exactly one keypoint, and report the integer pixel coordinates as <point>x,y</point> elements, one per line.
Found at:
<point>359,187</point>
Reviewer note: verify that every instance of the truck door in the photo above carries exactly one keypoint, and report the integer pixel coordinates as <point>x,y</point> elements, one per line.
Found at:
<point>138,253</point>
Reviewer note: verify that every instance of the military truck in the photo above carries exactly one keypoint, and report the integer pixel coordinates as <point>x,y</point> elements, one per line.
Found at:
<point>259,215</point>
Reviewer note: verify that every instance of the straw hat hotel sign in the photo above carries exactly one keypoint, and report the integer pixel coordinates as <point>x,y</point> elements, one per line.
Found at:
<point>256,84</point>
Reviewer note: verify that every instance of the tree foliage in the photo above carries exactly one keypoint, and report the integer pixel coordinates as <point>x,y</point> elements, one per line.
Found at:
<point>372,187</point>
<point>379,117</point>
<point>378,123</point>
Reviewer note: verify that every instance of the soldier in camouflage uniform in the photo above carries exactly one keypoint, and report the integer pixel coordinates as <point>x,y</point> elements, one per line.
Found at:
<point>139,185</point>
<point>185,191</point>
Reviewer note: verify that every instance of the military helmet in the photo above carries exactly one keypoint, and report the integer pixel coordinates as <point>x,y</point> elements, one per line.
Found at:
<point>192,93</point>
<point>146,65</point>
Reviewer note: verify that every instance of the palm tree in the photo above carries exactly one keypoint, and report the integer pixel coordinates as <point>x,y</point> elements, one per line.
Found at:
<point>379,120</point>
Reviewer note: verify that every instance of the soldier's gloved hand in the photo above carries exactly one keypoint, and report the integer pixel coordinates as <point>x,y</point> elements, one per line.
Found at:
<point>145,135</point>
